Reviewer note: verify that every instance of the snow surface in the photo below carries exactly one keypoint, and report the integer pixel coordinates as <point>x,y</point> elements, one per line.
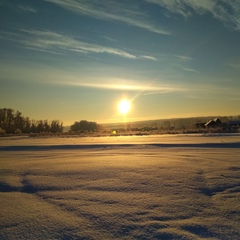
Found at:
<point>144,187</point>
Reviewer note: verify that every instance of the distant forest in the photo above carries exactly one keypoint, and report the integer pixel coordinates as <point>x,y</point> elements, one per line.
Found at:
<point>15,122</point>
<point>12,122</point>
<point>83,126</point>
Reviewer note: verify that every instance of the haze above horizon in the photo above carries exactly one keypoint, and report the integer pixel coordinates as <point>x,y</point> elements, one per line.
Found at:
<point>74,59</point>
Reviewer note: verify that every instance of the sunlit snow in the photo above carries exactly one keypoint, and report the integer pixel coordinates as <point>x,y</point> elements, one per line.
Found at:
<point>145,187</point>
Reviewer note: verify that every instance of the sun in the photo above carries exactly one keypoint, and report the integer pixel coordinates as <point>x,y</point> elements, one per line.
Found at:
<point>124,106</point>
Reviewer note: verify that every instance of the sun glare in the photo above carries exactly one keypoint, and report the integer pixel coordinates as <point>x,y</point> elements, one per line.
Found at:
<point>124,106</point>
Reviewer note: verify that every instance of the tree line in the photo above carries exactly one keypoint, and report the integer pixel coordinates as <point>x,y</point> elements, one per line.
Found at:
<point>84,126</point>
<point>15,122</point>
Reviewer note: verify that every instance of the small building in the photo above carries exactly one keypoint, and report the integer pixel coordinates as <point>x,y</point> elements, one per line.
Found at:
<point>216,122</point>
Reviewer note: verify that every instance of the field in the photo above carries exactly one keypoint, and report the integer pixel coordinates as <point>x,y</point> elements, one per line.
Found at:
<point>142,187</point>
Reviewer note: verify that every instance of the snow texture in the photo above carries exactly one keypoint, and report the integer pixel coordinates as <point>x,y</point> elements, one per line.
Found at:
<point>145,187</point>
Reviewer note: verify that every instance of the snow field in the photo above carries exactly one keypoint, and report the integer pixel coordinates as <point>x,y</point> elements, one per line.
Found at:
<point>123,192</point>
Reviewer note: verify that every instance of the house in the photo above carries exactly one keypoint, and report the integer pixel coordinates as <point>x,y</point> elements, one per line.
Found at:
<point>216,122</point>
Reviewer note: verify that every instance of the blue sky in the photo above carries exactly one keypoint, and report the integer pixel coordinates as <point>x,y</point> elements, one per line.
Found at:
<point>76,59</point>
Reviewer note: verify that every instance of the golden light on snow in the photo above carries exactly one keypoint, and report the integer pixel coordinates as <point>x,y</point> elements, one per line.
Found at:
<point>124,106</point>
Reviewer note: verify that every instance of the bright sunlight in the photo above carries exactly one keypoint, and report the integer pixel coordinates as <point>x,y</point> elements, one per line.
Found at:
<point>124,106</point>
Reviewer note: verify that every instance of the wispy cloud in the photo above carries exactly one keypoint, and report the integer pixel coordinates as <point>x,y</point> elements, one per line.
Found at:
<point>226,11</point>
<point>112,10</point>
<point>10,36</point>
<point>185,7</point>
<point>183,58</point>
<point>27,9</point>
<point>119,84</point>
<point>57,43</point>
<point>52,41</point>
<point>110,39</point>
<point>190,70</point>
<point>45,74</point>
<point>148,58</point>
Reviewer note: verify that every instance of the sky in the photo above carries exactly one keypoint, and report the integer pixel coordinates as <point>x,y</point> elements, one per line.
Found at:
<point>73,60</point>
